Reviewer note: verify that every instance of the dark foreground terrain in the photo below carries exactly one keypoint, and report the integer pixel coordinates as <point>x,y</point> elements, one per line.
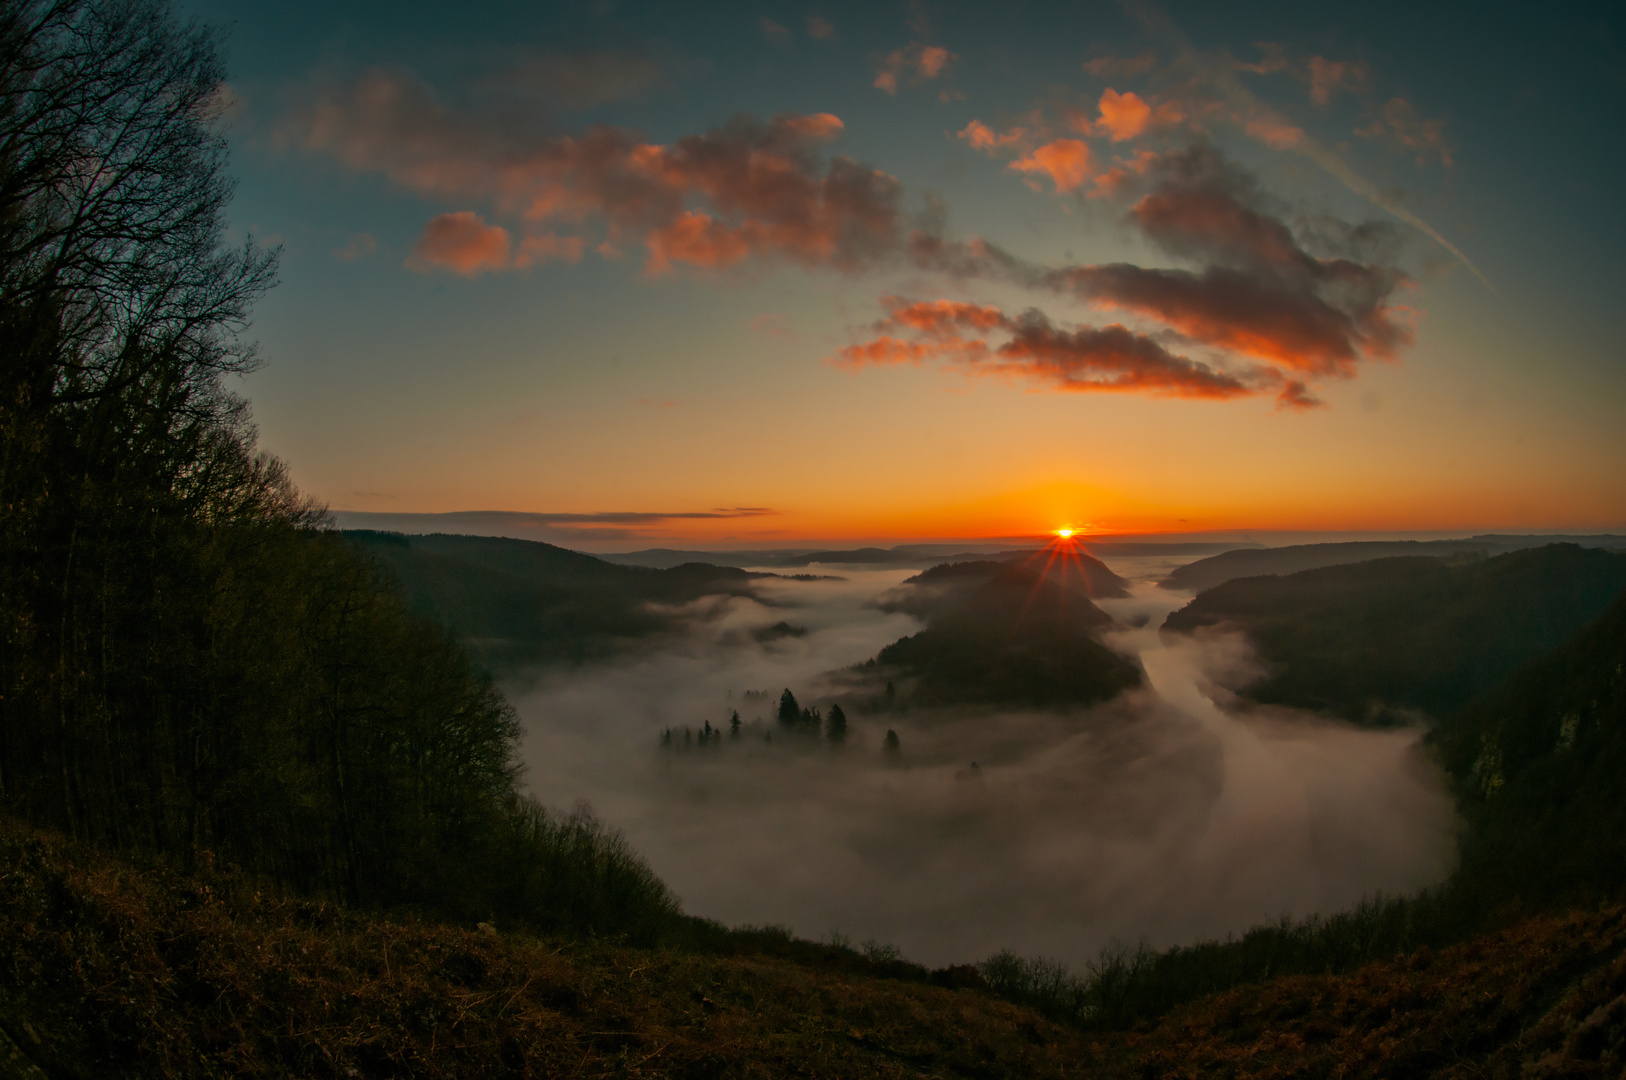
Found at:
<point>114,969</point>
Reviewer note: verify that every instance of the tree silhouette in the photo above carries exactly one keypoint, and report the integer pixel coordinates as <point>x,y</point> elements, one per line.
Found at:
<point>836,729</point>
<point>790,713</point>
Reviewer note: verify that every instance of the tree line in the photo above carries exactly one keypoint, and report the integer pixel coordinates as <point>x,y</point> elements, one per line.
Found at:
<point>190,660</point>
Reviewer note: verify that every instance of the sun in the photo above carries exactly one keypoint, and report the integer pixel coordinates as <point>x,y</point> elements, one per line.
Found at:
<point>1065,533</point>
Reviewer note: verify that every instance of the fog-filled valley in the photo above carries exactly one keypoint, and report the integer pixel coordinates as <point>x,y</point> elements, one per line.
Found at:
<point>1062,569</point>
<point>1166,815</point>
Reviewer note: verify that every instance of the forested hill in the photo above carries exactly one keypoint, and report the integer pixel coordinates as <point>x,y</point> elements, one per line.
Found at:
<point>1252,562</point>
<point>526,602</point>
<point>1540,768</point>
<point>1003,634</point>
<point>1377,642</point>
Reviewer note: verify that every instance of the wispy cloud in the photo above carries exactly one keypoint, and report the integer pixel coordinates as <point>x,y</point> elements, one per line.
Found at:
<point>1081,359</point>
<point>609,525</point>
<point>916,63</point>
<point>764,188</point>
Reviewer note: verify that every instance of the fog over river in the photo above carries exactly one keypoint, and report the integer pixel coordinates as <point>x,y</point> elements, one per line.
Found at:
<point>1164,816</point>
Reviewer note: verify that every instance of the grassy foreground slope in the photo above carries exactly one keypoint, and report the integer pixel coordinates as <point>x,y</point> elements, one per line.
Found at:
<point>1376,642</point>
<point>114,969</point>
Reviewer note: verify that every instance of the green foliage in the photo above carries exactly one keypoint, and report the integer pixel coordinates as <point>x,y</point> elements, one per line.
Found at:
<point>1377,642</point>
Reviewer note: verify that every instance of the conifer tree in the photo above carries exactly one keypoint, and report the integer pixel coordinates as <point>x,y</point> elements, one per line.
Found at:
<point>836,728</point>
<point>790,713</point>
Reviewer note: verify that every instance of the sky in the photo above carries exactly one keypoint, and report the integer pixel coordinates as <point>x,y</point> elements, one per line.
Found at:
<point>754,274</point>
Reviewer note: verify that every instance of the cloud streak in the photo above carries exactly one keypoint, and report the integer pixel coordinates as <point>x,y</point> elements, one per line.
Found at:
<point>1082,359</point>
<point>563,527</point>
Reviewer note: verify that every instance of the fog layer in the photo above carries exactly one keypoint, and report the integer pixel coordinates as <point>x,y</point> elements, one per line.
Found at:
<point>1165,816</point>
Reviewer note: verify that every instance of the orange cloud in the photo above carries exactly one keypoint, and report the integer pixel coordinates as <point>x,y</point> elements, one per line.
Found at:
<point>1066,161</point>
<point>462,243</point>
<point>1123,116</point>
<point>752,188</point>
<point>881,352</point>
<point>1083,359</point>
<point>1113,182</point>
<point>696,239</point>
<point>1258,291</point>
<point>820,28</point>
<point>920,63</point>
<point>979,136</point>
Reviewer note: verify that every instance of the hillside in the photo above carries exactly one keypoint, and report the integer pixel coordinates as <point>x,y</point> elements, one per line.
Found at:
<point>1253,562</point>
<point>1207,573</point>
<point>1000,633</point>
<point>121,969</point>
<point>1380,641</point>
<point>525,602</point>
<point>1540,767</point>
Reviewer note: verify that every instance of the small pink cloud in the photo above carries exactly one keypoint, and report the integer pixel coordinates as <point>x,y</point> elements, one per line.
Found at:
<point>462,243</point>
<point>979,136</point>
<point>820,28</point>
<point>920,63</point>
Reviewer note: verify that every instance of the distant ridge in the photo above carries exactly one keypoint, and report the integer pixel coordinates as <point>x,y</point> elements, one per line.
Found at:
<point>1207,573</point>
<point>902,555</point>
<point>1389,640</point>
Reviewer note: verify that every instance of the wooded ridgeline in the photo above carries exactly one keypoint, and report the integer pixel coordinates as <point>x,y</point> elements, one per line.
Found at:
<point>189,661</point>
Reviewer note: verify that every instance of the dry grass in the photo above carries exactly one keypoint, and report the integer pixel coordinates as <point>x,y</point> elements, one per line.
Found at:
<point>109,968</point>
